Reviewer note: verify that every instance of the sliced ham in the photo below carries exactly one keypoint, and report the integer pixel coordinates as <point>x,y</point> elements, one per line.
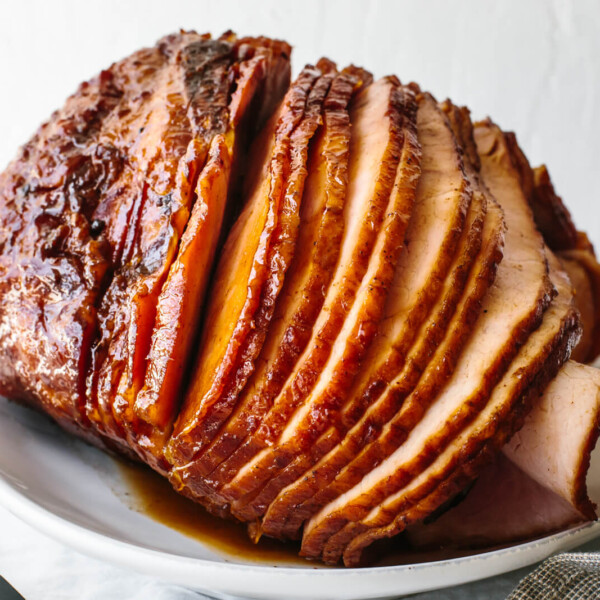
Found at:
<point>382,117</point>
<point>169,158</point>
<point>554,445</point>
<point>251,272</point>
<point>504,506</point>
<point>309,276</point>
<point>338,446</point>
<point>573,247</point>
<point>323,309</point>
<point>552,217</point>
<point>582,264</point>
<point>536,364</point>
<point>264,76</point>
<point>585,303</point>
<point>511,311</point>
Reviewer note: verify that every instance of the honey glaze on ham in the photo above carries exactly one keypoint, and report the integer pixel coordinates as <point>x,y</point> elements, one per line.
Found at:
<point>168,159</point>
<point>309,275</point>
<point>376,217</point>
<point>180,302</point>
<point>189,107</point>
<point>328,309</point>
<point>508,316</point>
<point>374,138</point>
<point>329,477</point>
<point>255,282</point>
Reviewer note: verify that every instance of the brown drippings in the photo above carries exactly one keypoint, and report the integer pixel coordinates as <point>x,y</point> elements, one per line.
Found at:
<point>153,496</point>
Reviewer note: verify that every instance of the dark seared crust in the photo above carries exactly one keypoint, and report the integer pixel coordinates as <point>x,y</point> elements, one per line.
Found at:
<point>554,221</point>
<point>521,164</point>
<point>99,174</point>
<point>177,139</point>
<point>207,80</point>
<point>551,216</point>
<point>391,220</point>
<point>58,252</point>
<point>202,417</point>
<point>323,250</point>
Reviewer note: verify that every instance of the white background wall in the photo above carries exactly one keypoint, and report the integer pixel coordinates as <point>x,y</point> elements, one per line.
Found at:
<point>533,65</point>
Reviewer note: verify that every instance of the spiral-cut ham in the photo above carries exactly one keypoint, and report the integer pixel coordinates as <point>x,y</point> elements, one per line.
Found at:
<point>330,309</point>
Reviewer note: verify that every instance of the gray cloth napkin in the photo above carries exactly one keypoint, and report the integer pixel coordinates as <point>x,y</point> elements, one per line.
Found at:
<point>569,576</point>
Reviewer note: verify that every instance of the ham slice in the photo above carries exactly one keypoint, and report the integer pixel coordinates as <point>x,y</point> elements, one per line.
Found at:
<point>504,506</point>
<point>554,445</point>
<point>510,314</point>
<point>552,217</point>
<point>196,82</point>
<point>320,403</point>
<point>582,264</point>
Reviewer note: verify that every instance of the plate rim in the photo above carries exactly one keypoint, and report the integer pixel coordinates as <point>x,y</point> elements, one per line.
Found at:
<point>51,524</point>
<point>226,578</point>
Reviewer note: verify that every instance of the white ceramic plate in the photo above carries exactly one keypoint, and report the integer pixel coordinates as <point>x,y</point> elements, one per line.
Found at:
<point>76,494</point>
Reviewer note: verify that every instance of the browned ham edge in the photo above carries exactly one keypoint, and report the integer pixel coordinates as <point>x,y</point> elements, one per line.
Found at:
<point>552,217</point>
<point>250,288</point>
<point>584,259</point>
<point>556,225</point>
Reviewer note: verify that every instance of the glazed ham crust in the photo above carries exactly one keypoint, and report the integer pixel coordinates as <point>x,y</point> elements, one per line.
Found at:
<point>327,308</point>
